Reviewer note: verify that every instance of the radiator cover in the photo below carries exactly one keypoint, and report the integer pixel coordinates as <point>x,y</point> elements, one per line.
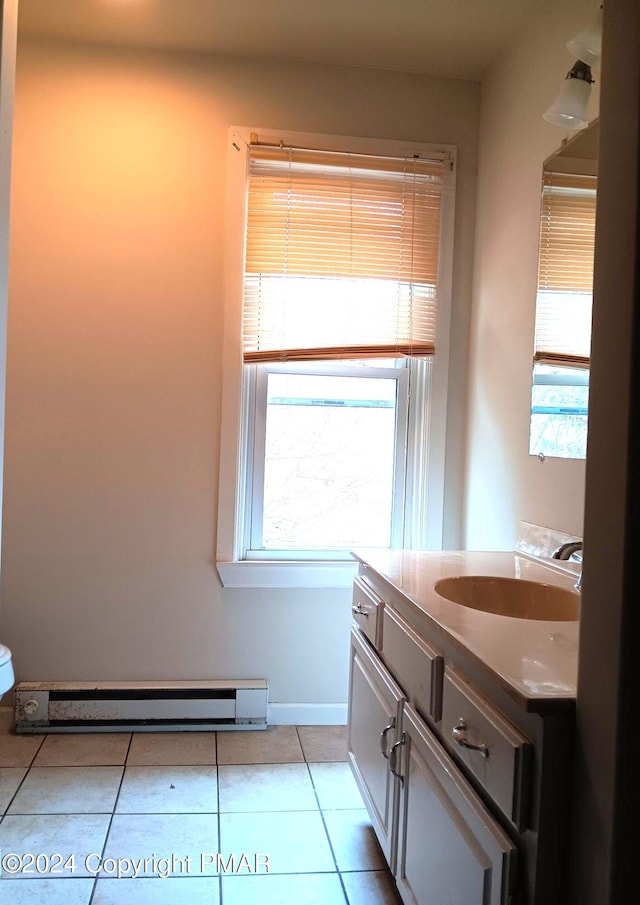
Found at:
<point>43,707</point>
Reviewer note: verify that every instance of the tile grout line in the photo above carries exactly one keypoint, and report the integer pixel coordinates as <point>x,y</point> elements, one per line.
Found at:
<point>125,813</point>
<point>219,846</point>
<point>324,824</point>
<point>113,812</point>
<point>26,773</point>
<point>13,797</point>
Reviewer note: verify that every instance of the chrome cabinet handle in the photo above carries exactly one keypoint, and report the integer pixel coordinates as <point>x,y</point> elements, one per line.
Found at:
<point>459,737</point>
<point>393,755</point>
<point>357,610</point>
<point>383,737</point>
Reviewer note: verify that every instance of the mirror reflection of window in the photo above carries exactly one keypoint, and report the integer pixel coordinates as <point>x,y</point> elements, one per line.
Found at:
<point>559,406</point>
<point>560,385</point>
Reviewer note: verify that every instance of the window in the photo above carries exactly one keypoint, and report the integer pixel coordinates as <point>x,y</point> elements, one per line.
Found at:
<point>559,400</point>
<point>343,304</point>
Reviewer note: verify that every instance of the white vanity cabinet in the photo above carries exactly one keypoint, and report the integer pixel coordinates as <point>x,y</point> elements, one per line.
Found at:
<point>467,795</point>
<point>439,839</point>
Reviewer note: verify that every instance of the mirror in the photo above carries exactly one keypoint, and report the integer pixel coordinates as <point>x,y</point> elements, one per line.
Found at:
<point>560,384</point>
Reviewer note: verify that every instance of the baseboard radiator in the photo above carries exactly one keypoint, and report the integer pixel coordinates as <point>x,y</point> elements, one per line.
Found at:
<point>43,707</point>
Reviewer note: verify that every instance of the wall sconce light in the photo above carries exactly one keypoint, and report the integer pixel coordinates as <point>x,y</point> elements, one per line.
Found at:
<point>569,109</point>
<point>587,44</point>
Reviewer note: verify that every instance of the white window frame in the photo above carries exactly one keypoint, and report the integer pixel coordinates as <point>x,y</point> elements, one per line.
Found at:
<point>424,479</point>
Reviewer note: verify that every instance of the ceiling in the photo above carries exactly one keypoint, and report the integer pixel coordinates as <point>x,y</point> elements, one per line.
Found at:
<point>453,38</point>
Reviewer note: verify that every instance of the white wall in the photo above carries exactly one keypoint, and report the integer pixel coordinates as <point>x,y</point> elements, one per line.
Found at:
<point>114,360</point>
<point>8,39</point>
<point>504,483</point>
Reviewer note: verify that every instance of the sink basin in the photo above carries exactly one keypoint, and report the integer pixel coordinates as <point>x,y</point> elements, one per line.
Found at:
<point>514,597</point>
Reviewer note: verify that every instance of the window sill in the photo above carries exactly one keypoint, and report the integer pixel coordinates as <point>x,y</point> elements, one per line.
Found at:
<point>287,574</point>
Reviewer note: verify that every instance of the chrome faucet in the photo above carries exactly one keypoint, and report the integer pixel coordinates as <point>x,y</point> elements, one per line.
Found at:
<point>564,552</point>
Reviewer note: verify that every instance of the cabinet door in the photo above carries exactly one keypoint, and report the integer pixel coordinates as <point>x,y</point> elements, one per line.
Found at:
<point>451,851</point>
<point>375,711</point>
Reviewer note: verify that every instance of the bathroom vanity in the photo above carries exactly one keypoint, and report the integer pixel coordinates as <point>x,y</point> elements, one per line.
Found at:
<point>461,723</point>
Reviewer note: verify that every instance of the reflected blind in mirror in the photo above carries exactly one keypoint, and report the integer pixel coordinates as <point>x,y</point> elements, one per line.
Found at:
<point>565,270</point>
<point>341,255</point>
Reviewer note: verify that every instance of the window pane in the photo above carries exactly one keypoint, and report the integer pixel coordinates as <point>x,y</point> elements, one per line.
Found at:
<point>288,313</point>
<point>329,461</point>
<point>563,323</point>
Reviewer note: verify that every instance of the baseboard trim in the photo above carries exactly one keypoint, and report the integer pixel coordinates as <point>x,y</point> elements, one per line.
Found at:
<point>307,714</point>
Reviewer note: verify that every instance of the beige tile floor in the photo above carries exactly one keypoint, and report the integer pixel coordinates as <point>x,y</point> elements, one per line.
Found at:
<point>166,810</point>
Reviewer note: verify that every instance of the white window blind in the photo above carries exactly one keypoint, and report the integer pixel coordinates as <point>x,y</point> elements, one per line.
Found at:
<point>565,270</point>
<point>341,255</point>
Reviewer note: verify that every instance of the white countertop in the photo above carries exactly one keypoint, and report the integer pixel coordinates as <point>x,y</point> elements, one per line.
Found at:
<point>536,658</point>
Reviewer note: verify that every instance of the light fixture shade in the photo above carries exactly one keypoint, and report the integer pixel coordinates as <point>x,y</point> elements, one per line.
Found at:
<point>587,44</point>
<point>569,109</point>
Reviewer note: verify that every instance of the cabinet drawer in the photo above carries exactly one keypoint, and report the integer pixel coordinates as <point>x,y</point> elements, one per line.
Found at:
<point>366,609</point>
<point>414,664</point>
<point>501,760</point>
